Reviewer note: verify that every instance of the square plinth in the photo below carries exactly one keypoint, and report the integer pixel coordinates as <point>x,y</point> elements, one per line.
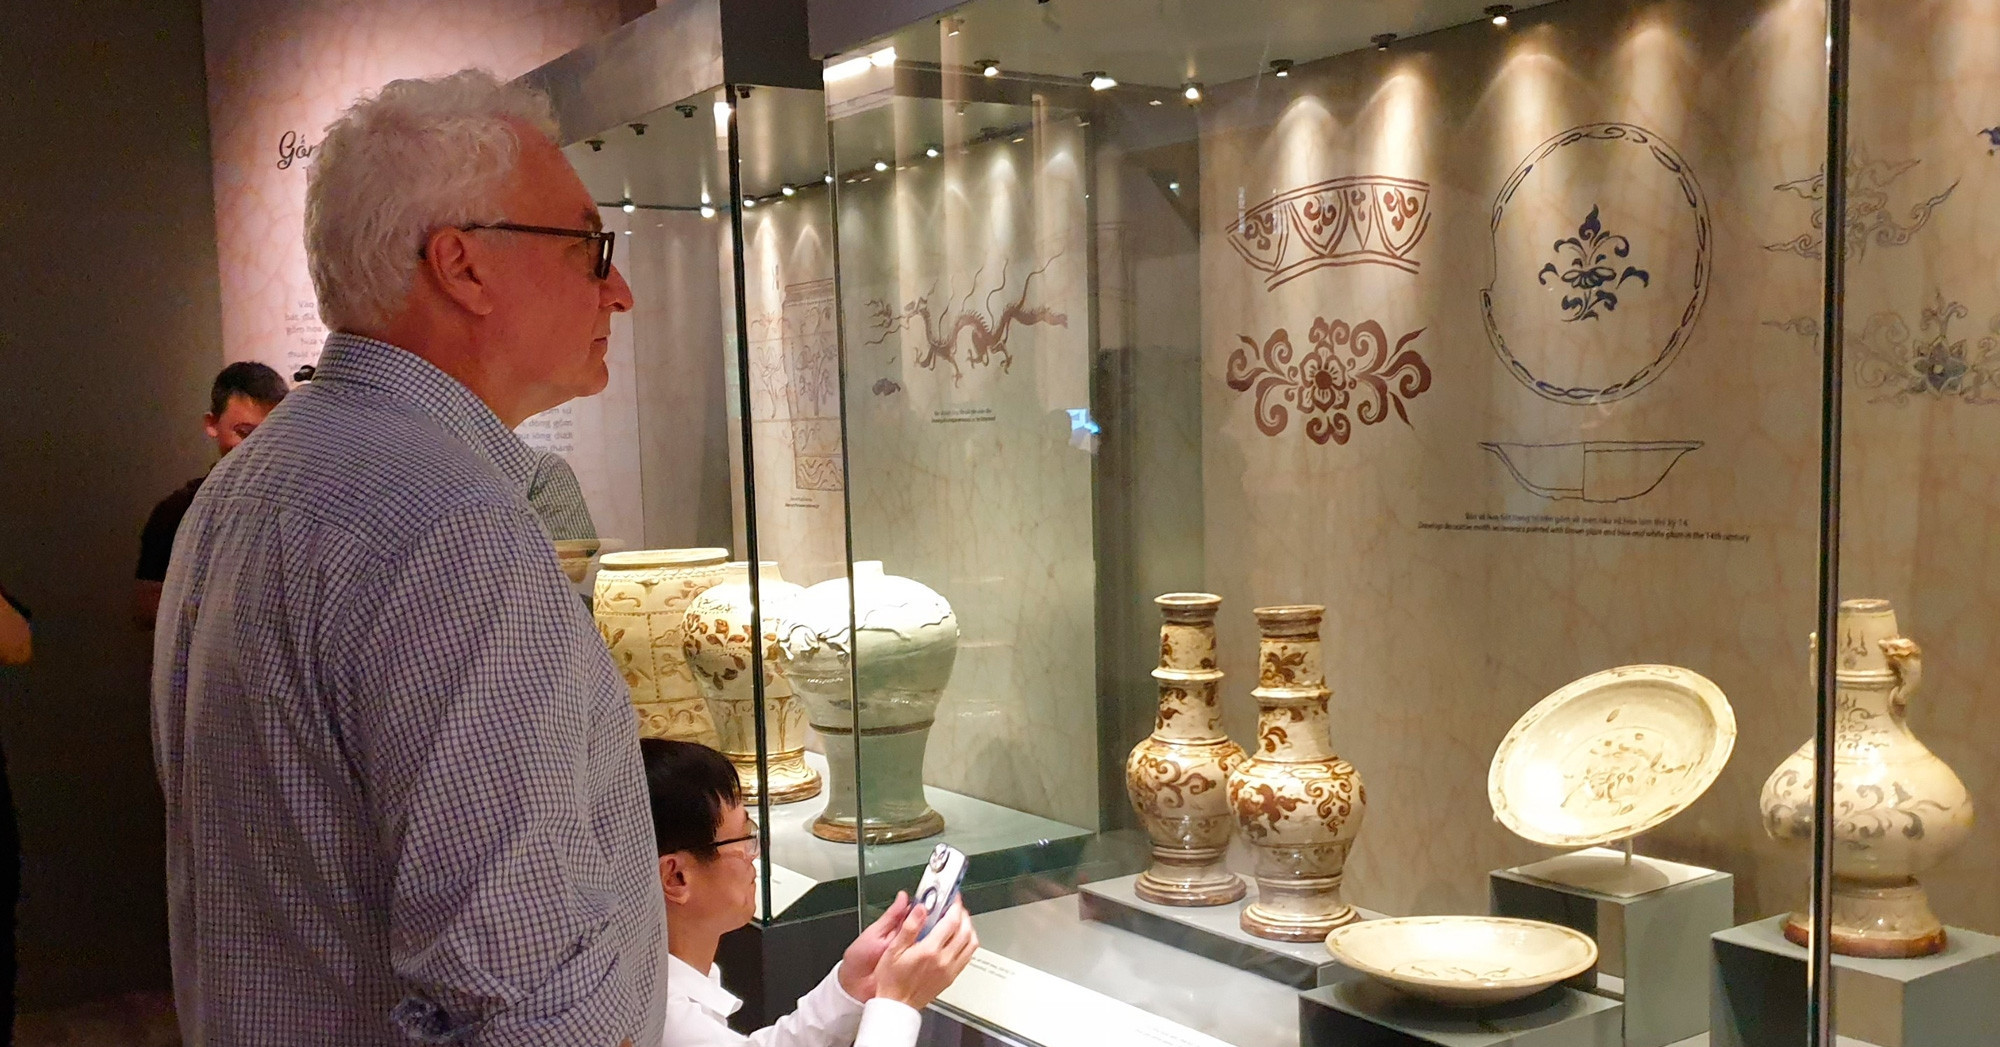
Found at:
<point>1651,920</point>
<point>1758,992</point>
<point>1213,931</point>
<point>1358,1012</point>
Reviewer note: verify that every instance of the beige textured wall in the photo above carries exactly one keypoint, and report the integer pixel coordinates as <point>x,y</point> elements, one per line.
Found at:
<point>1437,640</point>
<point>279,72</point>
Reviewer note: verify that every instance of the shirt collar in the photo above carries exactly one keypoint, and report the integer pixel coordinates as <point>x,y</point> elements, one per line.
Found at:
<point>704,989</point>
<point>403,374</point>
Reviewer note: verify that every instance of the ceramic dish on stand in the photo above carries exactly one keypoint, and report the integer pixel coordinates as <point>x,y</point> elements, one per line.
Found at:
<point>1463,961</point>
<point>1611,755</point>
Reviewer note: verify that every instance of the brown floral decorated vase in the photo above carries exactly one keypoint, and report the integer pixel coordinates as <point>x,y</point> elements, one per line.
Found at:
<point>716,641</point>
<point>1177,777</point>
<point>639,601</point>
<point>1299,805</point>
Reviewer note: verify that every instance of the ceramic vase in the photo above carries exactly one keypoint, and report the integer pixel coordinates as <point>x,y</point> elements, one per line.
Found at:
<point>1177,777</point>
<point>639,602</point>
<point>1898,810</point>
<point>715,638</point>
<point>871,693</point>
<point>1298,804</point>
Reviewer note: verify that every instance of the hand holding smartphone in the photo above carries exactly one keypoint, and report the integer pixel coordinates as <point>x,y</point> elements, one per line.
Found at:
<point>940,884</point>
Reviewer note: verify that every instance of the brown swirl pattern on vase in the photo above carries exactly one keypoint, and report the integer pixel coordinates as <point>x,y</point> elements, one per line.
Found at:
<point>1176,777</point>
<point>1298,803</point>
<point>717,645</point>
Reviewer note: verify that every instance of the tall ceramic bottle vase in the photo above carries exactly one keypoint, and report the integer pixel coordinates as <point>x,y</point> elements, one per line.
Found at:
<point>715,637</point>
<point>1177,776</point>
<point>1898,810</point>
<point>874,692</point>
<point>639,601</point>
<point>1299,805</point>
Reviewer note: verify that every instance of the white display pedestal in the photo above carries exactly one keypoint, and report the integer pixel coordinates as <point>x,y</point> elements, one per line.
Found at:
<point>1651,919</point>
<point>1214,931</point>
<point>1358,1012</point>
<point>1951,999</point>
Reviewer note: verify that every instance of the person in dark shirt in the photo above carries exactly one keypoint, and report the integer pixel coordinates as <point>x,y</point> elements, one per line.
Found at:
<point>242,396</point>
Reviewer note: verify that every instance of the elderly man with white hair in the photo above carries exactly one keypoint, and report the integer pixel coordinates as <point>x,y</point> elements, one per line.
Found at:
<point>403,789</point>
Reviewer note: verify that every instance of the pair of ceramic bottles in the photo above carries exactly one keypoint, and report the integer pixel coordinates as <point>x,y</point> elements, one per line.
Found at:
<point>1297,803</point>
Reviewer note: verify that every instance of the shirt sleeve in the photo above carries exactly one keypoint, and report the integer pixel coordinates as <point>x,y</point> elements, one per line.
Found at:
<point>558,499</point>
<point>480,723</point>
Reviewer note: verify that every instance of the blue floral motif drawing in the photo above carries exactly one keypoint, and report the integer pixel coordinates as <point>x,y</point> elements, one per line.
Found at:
<point>1932,364</point>
<point>1591,270</point>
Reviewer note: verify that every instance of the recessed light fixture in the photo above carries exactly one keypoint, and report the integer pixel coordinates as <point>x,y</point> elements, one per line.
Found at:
<point>1100,81</point>
<point>827,178</point>
<point>626,205</point>
<point>1192,92</point>
<point>1019,140</point>
<point>1382,40</point>
<point>1498,13</point>
<point>1281,67</point>
<point>1174,187</point>
<point>988,67</point>
<point>708,211</point>
<point>749,202</point>
<point>1155,101</point>
<point>931,151</point>
<point>628,232</point>
<point>881,165</point>
<point>787,189</point>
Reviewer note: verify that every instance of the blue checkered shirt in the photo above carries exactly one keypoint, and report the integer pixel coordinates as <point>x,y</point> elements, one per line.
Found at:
<point>403,790</point>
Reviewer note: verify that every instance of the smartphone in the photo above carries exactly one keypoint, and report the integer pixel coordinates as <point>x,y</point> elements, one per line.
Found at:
<point>939,886</point>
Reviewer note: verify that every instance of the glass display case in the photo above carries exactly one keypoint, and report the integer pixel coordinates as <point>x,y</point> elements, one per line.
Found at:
<point>1385,464</point>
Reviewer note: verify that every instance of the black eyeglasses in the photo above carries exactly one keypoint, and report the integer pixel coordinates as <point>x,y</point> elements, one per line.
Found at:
<point>756,846</point>
<point>604,239</point>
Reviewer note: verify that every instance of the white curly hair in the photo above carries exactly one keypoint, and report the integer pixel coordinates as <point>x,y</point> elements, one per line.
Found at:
<point>415,157</point>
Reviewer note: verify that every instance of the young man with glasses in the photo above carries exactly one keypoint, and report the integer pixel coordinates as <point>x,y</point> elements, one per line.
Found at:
<point>708,850</point>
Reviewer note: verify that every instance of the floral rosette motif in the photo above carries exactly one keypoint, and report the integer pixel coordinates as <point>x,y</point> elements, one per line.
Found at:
<point>716,641</point>
<point>1352,373</point>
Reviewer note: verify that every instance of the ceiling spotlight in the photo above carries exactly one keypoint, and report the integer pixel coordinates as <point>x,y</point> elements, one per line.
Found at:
<point>1021,139</point>
<point>596,144</point>
<point>827,178</point>
<point>1100,81</point>
<point>1174,187</point>
<point>1499,12</point>
<point>686,111</point>
<point>787,189</point>
<point>1155,101</point>
<point>626,205</point>
<point>931,151</point>
<point>749,202</point>
<point>628,232</point>
<point>951,25</point>
<point>1281,67</point>
<point>708,211</point>
<point>637,129</point>
<point>1382,40</point>
<point>988,67</point>
<point>881,165</point>
<point>1192,92</point>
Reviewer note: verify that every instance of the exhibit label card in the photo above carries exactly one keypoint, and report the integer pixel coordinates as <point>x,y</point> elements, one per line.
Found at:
<point>1054,1012</point>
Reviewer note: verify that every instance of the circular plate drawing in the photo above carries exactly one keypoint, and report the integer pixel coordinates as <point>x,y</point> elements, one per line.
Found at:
<point>1463,961</point>
<point>1601,263</point>
<point>1611,755</point>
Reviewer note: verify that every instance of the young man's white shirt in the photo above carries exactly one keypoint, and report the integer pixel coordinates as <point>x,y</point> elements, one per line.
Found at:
<point>698,1010</point>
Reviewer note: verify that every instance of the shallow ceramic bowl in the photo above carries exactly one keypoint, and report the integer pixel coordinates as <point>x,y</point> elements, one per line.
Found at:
<point>1611,755</point>
<point>1463,961</point>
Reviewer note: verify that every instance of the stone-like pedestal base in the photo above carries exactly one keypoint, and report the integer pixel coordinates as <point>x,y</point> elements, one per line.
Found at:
<point>1651,920</point>
<point>1758,992</point>
<point>1360,1013</point>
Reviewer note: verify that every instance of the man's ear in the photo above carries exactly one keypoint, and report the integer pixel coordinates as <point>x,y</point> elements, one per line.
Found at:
<point>455,263</point>
<point>673,878</point>
<point>208,425</point>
